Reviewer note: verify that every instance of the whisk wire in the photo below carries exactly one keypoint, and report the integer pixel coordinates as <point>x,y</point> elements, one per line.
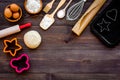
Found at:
<point>75,10</point>
<point>79,11</point>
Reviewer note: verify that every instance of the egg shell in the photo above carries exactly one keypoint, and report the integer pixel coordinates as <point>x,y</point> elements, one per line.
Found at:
<point>16,15</point>
<point>14,7</point>
<point>8,13</point>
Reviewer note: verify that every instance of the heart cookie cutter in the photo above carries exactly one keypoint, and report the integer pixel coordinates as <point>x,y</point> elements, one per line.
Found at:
<point>11,46</point>
<point>21,63</point>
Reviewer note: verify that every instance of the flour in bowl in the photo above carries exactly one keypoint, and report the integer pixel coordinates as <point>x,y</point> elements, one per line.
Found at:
<point>33,6</point>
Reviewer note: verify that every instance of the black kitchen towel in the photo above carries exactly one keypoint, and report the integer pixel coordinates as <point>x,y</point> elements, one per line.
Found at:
<point>107,25</point>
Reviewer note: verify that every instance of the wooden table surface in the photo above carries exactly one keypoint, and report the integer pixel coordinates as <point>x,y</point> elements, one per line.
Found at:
<point>61,56</point>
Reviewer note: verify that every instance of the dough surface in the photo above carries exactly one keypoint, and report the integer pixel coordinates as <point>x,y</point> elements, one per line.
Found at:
<point>32,39</point>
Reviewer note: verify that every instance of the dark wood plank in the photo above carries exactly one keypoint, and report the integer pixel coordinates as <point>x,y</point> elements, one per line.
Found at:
<point>86,77</point>
<point>25,76</point>
<point>62,55</point>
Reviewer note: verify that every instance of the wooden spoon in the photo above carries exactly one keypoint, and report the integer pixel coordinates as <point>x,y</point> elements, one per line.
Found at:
<point>61,13</point>
<point>48,19</point>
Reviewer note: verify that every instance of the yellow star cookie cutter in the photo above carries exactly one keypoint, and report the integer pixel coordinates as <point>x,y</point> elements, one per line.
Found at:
<point>11,46</point>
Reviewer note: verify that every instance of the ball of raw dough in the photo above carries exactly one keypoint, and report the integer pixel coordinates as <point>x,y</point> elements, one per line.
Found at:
<point>32,39</point>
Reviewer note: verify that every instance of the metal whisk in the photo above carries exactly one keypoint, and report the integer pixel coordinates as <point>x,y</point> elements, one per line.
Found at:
<point>74,11</point>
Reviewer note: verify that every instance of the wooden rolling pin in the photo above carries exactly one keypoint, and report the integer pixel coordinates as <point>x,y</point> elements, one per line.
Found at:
<point>87,16</point>
<point>13,30</point>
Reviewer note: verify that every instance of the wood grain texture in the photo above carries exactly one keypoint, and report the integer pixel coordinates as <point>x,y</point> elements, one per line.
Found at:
<point>62,55</point>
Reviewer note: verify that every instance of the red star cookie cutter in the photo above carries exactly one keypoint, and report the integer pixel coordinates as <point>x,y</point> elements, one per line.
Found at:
<point>21,63</point>
<point>11,46</point>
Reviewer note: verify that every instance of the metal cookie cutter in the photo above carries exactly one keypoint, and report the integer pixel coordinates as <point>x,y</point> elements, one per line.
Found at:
<point>11,46</point>
<point>21,63</point>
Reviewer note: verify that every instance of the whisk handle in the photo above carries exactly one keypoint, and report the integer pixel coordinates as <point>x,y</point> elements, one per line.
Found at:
<point>68,4</point>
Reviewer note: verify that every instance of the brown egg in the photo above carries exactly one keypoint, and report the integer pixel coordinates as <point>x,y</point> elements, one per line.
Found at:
<point>8,12</point>
<point>14,7</point>
<point>16,15</point>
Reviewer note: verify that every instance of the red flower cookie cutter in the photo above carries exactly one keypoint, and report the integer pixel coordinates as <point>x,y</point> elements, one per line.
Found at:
<point>21,63</point>
<point>11,46</point>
